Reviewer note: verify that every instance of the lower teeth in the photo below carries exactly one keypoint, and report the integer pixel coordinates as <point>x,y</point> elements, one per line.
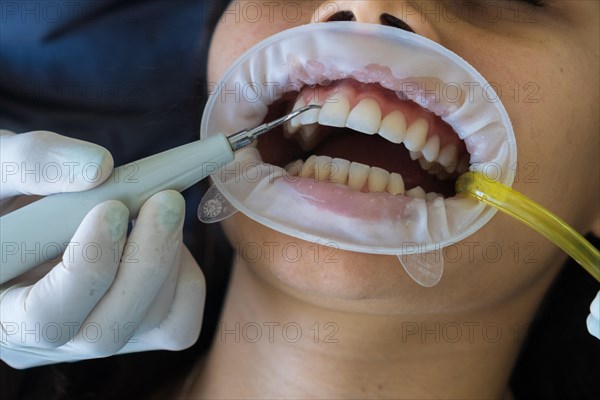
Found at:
<point>357,176</point>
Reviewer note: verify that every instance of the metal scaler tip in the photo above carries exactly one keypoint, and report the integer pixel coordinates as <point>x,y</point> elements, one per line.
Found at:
<point>243,138</point>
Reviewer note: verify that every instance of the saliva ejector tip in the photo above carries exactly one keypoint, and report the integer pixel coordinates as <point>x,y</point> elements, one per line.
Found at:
<point>513,203</point>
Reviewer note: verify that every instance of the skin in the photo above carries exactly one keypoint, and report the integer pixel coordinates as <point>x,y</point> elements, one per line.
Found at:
<point>396,339</point>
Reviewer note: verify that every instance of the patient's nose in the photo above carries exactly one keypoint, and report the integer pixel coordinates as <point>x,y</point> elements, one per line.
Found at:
<point>399,14</point>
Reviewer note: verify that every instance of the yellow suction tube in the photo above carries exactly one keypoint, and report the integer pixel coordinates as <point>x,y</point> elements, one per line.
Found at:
<point>531,213</point>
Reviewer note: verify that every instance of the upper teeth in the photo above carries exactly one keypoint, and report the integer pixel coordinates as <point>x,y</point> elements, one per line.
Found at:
<point>366,117</point>
<point>393,127</point>
<point>335,113</point>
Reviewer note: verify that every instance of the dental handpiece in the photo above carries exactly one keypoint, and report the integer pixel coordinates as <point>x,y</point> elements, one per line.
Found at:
<point>32,234</point>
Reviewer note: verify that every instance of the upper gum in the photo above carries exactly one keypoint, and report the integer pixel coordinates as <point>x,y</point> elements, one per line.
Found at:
<point>388,102</point>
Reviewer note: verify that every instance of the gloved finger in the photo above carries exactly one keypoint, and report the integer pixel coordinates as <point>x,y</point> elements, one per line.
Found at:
<point>593,326</point>
<point>593,320</point>
<point>595,306</point>
<point>148,257</point>
<point>21,358</point>
<point>43,163</point>
<point>50,312</point>
<point>162,302</point>
<point>181,328</point>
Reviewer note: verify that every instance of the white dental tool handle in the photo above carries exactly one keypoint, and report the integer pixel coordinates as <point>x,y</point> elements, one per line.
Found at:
<point>33,234</point>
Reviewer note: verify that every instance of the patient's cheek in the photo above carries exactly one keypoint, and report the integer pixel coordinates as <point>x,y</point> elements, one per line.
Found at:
<point>244,24</point>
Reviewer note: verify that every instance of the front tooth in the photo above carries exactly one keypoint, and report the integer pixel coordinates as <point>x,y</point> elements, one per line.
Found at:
<point>416,135</point>
<point>365,117</point>
<point>294,168</point>
<point>322,168</point>
<point>309,117</point>
<point>432,148</point>
<point>308,169</point>
<point>393,127</point>
<point>295,123</point>
<point>339,170</point>
<point>448,157</point>
<point>416,193</point>
<point>378,179</point>
<point>358,175</point>
<point>395,184</point>
<point>335,111</point>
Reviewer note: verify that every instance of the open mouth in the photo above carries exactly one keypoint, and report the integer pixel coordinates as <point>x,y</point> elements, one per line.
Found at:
<point>368,138</point>
<point>374,168</point>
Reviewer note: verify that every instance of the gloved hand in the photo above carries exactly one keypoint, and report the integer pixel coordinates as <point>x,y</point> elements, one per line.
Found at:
<point>593,320</point>
<point>110,294</point>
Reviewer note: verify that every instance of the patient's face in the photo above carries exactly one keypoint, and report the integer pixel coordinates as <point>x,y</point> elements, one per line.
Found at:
<point>542,61</point>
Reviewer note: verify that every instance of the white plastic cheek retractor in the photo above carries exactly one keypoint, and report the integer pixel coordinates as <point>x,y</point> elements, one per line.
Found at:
<point>413,67</point>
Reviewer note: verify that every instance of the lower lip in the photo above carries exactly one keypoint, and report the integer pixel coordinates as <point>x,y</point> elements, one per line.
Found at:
<point>342,200</point>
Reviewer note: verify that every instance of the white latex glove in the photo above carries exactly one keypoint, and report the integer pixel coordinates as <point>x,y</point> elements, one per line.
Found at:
<point>110,294</point>
<point>593,320</point>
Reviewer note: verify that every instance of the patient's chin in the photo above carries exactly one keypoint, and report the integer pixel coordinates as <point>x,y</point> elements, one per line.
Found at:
<point>322,275</point>
<point>339,280</point>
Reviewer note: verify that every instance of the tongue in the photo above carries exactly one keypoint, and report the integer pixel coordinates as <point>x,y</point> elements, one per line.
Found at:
<point>375,151</point>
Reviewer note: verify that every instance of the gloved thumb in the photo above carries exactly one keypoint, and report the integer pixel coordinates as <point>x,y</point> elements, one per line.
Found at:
<point>62,299</point>
<point>43,163</point>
